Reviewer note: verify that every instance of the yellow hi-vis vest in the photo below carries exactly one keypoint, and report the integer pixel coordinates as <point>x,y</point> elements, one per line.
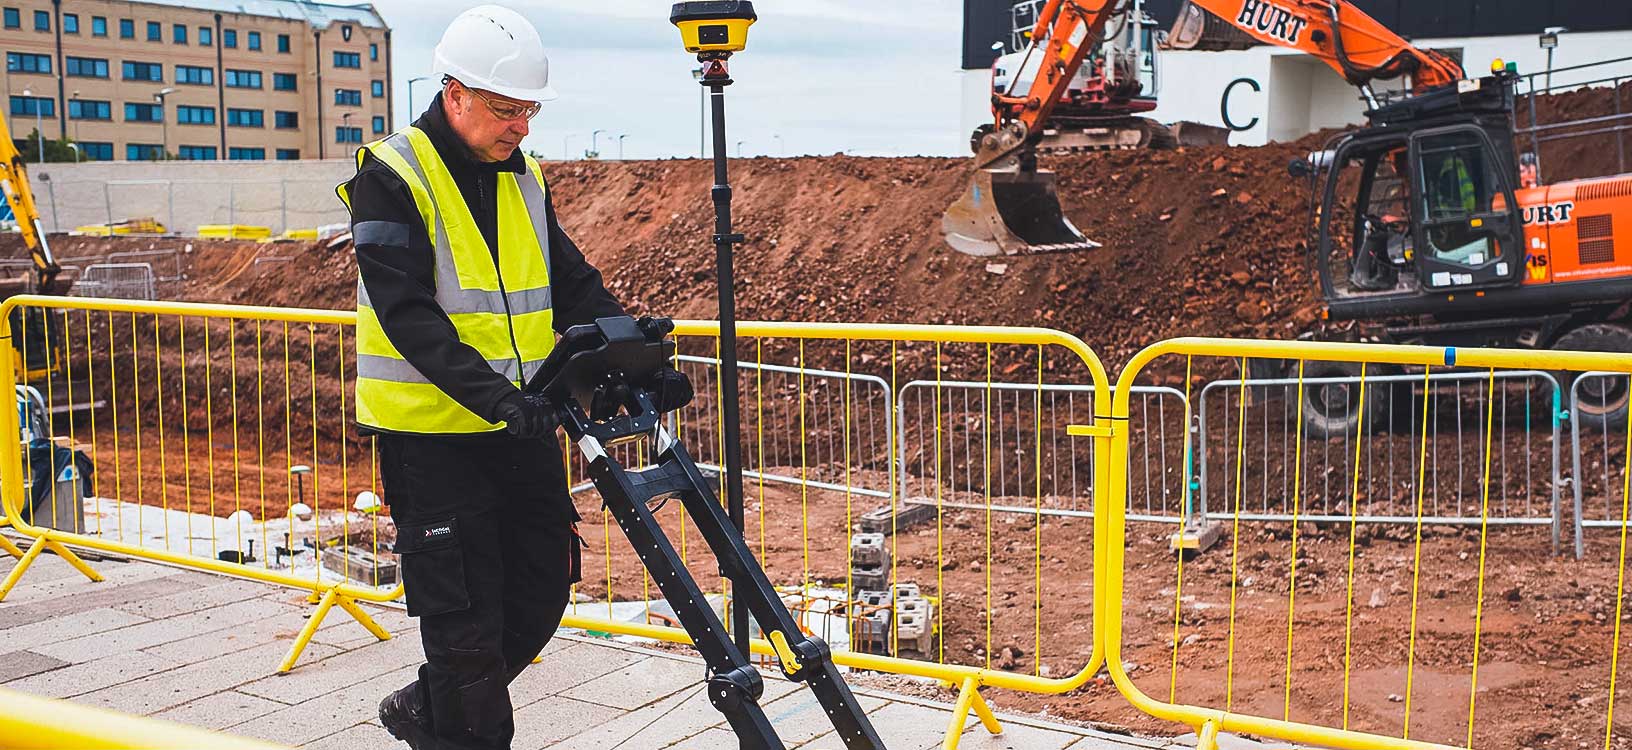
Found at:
<point>504,313</point>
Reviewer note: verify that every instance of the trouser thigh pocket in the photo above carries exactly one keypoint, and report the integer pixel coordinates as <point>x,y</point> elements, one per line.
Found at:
<point>575,556</point>
<point>433,567</point>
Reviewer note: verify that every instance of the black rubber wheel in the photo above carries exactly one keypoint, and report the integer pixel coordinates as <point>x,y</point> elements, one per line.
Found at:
<point>1600,402</point>
<point>1332,410</point>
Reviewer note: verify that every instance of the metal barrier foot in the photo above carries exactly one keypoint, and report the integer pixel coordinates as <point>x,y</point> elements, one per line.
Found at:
<point>969,698</point>
<point>11,549</point>
<point>26,559</point>
<point>306,633</point>
<point>325,602</point>
<point>1207,738</point>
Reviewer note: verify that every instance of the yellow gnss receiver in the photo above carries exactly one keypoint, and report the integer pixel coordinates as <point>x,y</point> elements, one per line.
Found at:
<point>714,25</point>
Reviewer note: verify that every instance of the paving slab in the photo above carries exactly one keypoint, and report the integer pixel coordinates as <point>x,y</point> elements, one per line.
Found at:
<point>221,710</point>
<point>155,632</point>
<point>201,649</point>
<point>19,664</point>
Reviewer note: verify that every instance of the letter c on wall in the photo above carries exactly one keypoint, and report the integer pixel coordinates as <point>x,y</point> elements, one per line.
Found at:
<point>1224,104</point>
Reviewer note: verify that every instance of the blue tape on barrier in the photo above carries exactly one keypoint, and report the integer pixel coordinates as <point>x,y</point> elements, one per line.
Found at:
<point>1450,356</point>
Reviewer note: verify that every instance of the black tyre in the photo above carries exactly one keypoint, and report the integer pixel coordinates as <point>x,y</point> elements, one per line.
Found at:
<point>1332,410</point>
<point>1600,402</point>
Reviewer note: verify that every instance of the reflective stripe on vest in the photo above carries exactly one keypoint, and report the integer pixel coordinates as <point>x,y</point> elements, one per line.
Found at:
<point>502,312</point>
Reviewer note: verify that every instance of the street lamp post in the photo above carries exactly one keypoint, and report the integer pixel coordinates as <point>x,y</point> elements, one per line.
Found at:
<point>411,82</point>
<point>594,144</point>
<point>620,145</point>
<point>1549,42</point>
<point>39,126</point>
<point>164,122</point>
<point>75,147</point>
<point>345,124</point>
<point>739,149</point>
<point>72,102</point>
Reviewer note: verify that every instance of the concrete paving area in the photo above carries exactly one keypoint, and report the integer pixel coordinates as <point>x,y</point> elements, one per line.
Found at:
<point>202,649</point>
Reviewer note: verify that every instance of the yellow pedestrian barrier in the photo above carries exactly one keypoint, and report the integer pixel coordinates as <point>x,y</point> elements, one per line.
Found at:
<point>1387,679</point>
<point>29,722</point>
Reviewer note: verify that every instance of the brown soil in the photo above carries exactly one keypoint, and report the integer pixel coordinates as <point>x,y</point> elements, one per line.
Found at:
<point>1199,241</point>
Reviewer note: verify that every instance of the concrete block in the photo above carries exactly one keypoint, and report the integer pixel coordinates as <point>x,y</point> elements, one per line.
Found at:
<point>870,577</point>
<point>868,550</point>
<point>887,520</point>
<point>914,624</point>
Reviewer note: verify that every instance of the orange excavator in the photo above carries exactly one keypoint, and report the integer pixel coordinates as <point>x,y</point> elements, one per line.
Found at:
<point>1428,222</point>
<point>1011,207</point>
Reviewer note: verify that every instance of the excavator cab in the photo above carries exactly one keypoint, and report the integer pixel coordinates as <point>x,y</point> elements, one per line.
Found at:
<point>1406,216</point>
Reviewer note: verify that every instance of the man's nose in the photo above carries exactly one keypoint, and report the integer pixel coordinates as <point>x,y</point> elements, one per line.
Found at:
<point>520,128</point>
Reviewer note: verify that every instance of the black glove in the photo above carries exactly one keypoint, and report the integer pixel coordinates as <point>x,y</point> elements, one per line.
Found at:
<point>527,415</point>
<point>670,389</point>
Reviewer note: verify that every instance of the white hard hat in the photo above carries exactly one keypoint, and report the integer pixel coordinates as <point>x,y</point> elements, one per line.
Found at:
<point>495,49</point>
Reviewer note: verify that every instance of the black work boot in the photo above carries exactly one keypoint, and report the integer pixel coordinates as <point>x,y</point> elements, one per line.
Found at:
<point>403,715</point>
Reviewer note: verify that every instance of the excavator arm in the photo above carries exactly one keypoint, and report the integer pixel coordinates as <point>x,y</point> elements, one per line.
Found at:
<point>1066,32</point>
<point>1352,43</point>
<point>14,181</point>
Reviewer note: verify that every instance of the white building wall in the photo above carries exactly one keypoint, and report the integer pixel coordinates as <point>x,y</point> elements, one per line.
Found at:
<point>1300,94</point>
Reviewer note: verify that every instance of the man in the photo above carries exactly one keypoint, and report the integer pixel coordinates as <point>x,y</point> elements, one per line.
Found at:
<point>464,278</point>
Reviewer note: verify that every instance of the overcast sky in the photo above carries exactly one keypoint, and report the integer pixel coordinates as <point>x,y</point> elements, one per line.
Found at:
<point>864,76</point>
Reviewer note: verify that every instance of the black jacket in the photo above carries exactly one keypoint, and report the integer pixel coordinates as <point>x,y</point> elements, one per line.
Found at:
<point>401,279</point>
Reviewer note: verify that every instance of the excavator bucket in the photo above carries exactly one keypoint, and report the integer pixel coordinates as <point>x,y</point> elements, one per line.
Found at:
<point>1007,212</point>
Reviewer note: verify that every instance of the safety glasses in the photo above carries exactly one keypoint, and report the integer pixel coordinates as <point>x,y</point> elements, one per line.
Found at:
<point>507,111</point>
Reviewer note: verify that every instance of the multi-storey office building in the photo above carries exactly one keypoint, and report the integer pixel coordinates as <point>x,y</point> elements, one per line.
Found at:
<point>198,79</point>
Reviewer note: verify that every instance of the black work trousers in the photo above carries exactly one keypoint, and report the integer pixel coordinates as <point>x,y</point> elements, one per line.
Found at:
<point>488,552</point>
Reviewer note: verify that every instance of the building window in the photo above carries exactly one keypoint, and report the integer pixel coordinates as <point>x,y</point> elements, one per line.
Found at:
<point>239,153</point>
<point>179,33</point>
<point>96,151</point>
<point>229,38</point>
<point>283,81</point>
<point>204,38</point>
<point>70,23</point>
<point>196,75</point>
<point>143,152</point>
<point>344,134</point>
<point>33,106</point>
<point>14,18</point>
<point>143,71</point>
<point>377,88</point>
<point>243,79</point>
<point>155,31</point>
<point>27,62</point>
<point>127,29</point>
<point>348,60</point>
<point>288,154</point>
<point>85,67</point>
<point>196,153</point>
<point>136,112</point>
<point>42,20</point>
<point>99,26</point>
<point>255,41</point>
<point>87,109</point>
<point>246,118</point>
<point>379,124</point>
<point>351,97</point>
<point>283,44</point>
<point>286,119</point>
<point>190,115</point>
<point>373,52</point>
